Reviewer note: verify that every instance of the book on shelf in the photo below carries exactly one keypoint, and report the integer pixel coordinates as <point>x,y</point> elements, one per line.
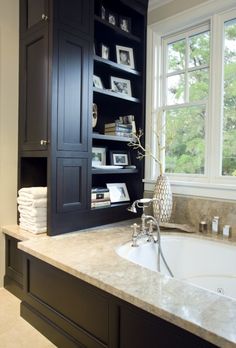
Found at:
<point>118,125</point>
<point>100,204</point>
<point>118,129</point>
<point>100,196</point>
<point>99,189</point>
<point>119,134</point>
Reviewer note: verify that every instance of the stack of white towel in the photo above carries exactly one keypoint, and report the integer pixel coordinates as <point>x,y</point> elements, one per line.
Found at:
<point>32,206</point>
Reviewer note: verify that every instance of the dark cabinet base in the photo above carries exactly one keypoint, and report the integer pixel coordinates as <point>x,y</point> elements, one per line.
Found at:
<point>72,313</point>
<point>13,279</point>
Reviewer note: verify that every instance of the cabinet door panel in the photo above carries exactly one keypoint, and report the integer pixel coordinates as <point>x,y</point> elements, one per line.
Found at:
<point>34,89</point>
<point>75,13</point>
<point>33,15</point>
<point>71,184</point>
<point>73,101</point>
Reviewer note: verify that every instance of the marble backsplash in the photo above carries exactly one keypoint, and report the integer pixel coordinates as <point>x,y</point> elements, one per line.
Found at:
<point>192,210</point>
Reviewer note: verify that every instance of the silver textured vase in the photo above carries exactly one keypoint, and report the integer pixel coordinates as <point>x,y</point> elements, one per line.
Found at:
<point>162,209</point>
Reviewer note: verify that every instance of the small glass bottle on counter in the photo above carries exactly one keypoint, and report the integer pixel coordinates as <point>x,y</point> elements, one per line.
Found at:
<point>215,224</point>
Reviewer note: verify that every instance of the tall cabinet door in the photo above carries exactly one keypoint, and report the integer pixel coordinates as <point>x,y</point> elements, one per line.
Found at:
<point>34,91</point>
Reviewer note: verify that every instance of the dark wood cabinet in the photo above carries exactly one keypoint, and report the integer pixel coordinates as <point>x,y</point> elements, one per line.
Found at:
<point>13,278</point>
<point>72,313</point>
<point>60,43</point>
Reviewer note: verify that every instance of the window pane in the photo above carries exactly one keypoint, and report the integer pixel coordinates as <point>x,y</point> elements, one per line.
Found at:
<point>199,49</point>
<point>229,121</point>
<point>185,140</point>
<point>198,84</point>
<point>175,89</point>
<point>176,56</point>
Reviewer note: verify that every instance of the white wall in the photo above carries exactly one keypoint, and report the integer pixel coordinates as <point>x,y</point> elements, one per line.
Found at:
<point>172,8</point>
<point>9,47</point>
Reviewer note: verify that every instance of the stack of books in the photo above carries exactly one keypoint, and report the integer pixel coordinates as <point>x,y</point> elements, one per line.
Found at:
<point>119,129</point>
<point>100,197</point>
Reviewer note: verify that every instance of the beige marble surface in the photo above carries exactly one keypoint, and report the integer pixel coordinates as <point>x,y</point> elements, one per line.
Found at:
<point>91,256</point>
<point>16,232</point>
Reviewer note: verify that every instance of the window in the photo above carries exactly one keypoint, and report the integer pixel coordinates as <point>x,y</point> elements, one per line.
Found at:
<point>193,99</point>
<point>185,86</point>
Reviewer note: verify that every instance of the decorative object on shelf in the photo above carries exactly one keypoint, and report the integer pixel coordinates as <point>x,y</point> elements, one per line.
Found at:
<point>98,156</point>
<point>105,51</point>
<point>97,82</point>
<point>118,192</point>
<point>95,115</point>
<point>125,23</point>
<point>161,210</point>
<point>100,197</point>
<point>118,128</point>
<point>118,158</point>
<point>103,12</point>
<point>120,85</point>
<point>125,56</point>
<point>129,119</point>
<point>112,18</point>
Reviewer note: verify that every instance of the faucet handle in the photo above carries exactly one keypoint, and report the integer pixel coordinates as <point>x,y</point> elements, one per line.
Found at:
<point>135,227</point>
<point>150,223</point>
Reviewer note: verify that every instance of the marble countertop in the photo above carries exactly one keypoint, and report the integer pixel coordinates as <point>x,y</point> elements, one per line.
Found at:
<point>92,257</point>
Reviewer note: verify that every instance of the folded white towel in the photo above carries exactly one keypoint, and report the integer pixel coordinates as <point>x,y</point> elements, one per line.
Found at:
<point>33,219</point>
<point>33,192</point>
<point>34,203</point>
<point>34,230</point>
<point>32,211</point>
<point>41,224</point>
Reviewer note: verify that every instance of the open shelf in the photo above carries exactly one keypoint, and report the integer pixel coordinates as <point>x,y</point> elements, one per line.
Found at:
<point>110,137</point>
<point>116,66</point>
<point>114,171</point>
<point>116,95</point>
<point>116,30</point>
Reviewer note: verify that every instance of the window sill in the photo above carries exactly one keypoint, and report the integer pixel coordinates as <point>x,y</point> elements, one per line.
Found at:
<point>199,189</point>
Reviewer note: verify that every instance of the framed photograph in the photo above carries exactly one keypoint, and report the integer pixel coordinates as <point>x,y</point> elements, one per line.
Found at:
<point>118,192</point>
<point>95,115</point>
<point>120,158</point>
<point>103,12</point>
<point>98,156</point>
<point>105,51</point>
<point>120,85</point>
<point>112,18</point>
<point>125,56</point>
<point>97,82</point>
<point>125,24</point>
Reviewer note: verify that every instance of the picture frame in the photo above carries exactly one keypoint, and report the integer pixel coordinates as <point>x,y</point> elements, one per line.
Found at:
<point>97,82</point>
<point>120,85</point>
<point>103,12</point>
<point>98,156</point>
<point>105,51</point>
<point>119,158</point>
<point>118,192</point>
<point>125,56</point>
<point>95,115</point>
<point>125,24</point>
<point>112,18</point>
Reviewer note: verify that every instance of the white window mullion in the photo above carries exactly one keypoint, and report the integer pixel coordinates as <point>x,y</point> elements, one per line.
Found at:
<point>186,70</point>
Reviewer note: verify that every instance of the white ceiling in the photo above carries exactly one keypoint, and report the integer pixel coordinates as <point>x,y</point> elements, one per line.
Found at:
<point>157,3</point>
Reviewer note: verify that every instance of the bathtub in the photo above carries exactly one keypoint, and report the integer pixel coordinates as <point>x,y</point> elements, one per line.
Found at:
<point>205,263</point>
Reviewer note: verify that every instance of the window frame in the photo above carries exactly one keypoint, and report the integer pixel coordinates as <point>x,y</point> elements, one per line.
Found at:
<point>210,184</point>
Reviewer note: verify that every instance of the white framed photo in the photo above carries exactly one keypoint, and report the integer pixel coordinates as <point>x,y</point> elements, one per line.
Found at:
<point>118,192</point>
<point>97,82</point>
<point>120,85</point>
<point>119,158</point>
<point>105,51</point>
<point>98,156</point>
<point>125,56</point>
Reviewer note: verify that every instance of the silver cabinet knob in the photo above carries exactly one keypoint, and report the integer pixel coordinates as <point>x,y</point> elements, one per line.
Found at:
<point>43,142</point>
<point>44,17</point>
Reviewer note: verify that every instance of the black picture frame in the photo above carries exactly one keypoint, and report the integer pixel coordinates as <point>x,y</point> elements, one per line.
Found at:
<point>125,24</point>
<point>112,18</point>
<point>119,158</point>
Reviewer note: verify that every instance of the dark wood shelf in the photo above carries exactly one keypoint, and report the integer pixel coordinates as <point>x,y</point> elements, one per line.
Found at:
<point>116,66</point>
<point>110,137</point>
<point>114,171</point>
<point>106,92</point>
<point>117,30</point>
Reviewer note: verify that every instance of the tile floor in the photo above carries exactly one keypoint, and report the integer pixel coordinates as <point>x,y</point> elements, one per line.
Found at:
<point>15,332</point>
